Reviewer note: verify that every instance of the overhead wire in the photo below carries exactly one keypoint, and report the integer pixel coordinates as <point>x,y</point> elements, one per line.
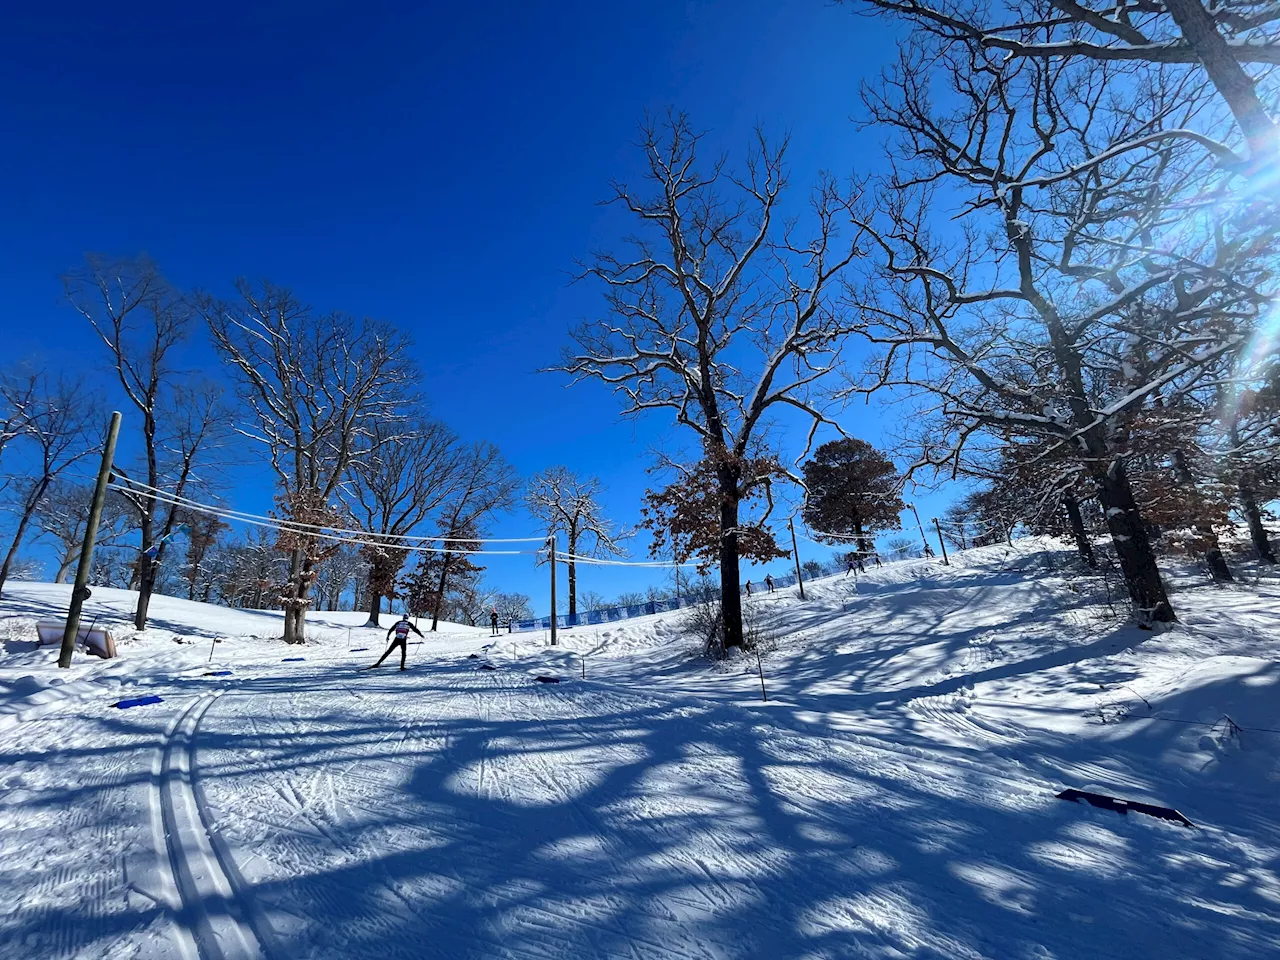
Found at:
<point>319,533</point>
<point>602,561</point>
<point>308,528</point>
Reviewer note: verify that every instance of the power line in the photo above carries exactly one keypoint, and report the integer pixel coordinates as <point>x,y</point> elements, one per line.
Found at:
<point>601,561</point>
<point>333,537</point>
<point>176,500</point>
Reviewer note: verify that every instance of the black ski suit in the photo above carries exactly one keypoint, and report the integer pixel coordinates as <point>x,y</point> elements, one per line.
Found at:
<point>401,629</point>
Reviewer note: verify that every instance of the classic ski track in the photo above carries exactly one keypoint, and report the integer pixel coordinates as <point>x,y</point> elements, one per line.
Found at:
<point>409,906</point>
<point>492,785</point>
<point>556,782</point>
<point>484,712</point>
<point>212,909</point>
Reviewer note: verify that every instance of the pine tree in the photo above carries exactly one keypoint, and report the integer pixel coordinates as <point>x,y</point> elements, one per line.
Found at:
<point>852,492</point>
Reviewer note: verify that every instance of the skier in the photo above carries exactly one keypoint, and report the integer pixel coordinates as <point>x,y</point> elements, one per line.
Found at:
<point>748,588</point>
<point>401,629</point>
<point>876,558</point>
<point>928,551</point>
<point>493,621</point>
<point>768,582</point>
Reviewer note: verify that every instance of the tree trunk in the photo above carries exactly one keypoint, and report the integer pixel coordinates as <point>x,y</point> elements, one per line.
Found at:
<point>69,560</point>
<point>444,572</point>
<point>375,608</point>
<point>730,578</point>
<point>1133,548</point>
<point>863,542</point>
<point>1257,532</point>
<point>292,594</point>
<point>28,511</point>
<point>1227,75</point>
<point>1219,572</point>
<point>1083,545</point>
<point>572,545</point>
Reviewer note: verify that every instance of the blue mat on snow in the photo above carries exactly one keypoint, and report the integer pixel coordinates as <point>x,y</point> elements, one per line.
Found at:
<point>138,702</point>
<point>293,659</point>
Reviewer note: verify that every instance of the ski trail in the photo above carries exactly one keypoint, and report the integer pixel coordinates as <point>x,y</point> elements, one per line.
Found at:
<point>211,910</point>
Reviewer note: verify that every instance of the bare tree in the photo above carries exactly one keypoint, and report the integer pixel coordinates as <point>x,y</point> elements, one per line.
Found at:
<point>512,606</point>
<point>203,531</point>
<point>346,568</point>
<point>1221,39</point>
<point>399,477</point>
<point>569,504</point>
<point>143,321</point>
<point>485,485</point>
<point>18,397</point>
<point>57,433</point>
<point>721,314</point>
<point>1076,291</point>
<point>63,513</point>
<point>313,385</point>
<point>244,572</point>
<point>900,548</point>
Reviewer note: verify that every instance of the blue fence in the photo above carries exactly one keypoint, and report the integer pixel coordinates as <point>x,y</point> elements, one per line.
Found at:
<point>613,614</point>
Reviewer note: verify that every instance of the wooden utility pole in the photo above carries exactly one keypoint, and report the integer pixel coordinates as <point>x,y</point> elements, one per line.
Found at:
<point>552,541</point>
<point>942,543</point>
<point>920,527</point>
<point>80,592</point>
<point>795,552</point>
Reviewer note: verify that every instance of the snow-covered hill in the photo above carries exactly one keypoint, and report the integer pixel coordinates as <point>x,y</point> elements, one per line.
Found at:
<point>894,797</point>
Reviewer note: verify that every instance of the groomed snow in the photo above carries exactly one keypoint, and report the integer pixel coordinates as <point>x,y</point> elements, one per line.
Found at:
<point>893,798</point>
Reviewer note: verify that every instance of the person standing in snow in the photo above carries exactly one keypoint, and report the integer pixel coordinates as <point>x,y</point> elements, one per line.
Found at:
<point>768,582</point>
<point>493,620</point>
<point>748,588</point>
<point>401,630</point>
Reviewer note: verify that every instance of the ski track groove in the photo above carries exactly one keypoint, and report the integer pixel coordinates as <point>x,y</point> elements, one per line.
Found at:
<point>555,780</point>
<point>538,768</point>
<point>384,929</point>
<point>211,908</point>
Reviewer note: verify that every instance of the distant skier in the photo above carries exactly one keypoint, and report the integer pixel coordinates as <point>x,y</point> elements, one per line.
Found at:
<point>876,558</point>
<point>768,582</point>
<point>401,630</point>
<point>493,621</point>
<point>748,588</point>
<point>928,551</point>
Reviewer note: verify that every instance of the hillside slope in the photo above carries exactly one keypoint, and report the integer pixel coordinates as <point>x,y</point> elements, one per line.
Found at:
<point>894,797</point>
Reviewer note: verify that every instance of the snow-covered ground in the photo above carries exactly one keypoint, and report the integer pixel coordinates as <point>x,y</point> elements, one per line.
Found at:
<point>893,798</point>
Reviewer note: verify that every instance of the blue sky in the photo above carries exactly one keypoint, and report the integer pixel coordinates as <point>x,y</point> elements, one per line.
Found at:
<point>437,165</point>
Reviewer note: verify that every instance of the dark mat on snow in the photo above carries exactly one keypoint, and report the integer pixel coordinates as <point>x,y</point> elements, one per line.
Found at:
<point>138,702</point>
<point>1102,801</point>
<point>547,679</point>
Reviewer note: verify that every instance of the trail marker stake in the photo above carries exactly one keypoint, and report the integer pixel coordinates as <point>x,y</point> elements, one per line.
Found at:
<point>760,666</point>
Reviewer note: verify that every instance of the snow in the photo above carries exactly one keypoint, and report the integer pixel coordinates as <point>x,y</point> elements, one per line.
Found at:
<point>893,798</point>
